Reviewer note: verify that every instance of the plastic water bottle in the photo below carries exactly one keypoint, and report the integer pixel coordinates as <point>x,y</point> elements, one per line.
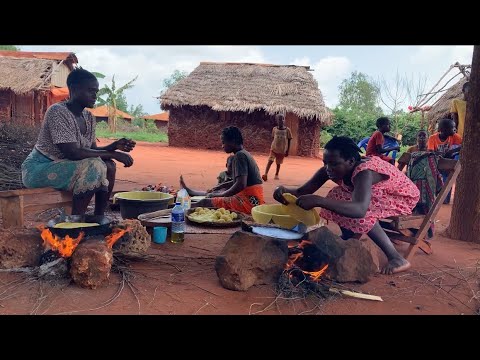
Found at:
<point>178,223</point>
<point>184,199</point>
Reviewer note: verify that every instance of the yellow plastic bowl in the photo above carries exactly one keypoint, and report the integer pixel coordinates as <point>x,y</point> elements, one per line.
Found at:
<point>266,214</point>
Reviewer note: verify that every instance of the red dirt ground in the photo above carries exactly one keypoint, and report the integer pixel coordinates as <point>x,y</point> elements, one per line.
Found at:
<point>160,288</point>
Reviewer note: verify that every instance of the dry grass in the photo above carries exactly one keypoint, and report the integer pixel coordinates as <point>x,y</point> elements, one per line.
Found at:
<point>250,87</point>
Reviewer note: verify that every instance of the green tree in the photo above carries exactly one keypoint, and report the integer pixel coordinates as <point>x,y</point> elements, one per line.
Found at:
<point>358,108</point>
<point>114,97</point>
<point>137,112</point>
<point>9,47</point>
<point>176,76</point>
<point>122,103</point>
<point>359,94</point>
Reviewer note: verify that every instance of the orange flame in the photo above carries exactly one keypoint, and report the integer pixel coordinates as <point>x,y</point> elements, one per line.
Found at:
<point>65,247</point>
<point>315,275</point>
<point>304,243</point>
<point>292,259</point>
<point>116,234</point>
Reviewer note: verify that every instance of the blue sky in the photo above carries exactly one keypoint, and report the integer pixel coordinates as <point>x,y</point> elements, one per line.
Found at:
<point>331,64</point>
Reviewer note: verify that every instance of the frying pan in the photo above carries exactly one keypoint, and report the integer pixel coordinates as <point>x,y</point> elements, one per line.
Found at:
<point>103,229</point>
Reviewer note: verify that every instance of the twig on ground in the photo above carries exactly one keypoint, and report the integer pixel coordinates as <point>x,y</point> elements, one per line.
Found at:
<point>206,304</point>
<point>208,291</point>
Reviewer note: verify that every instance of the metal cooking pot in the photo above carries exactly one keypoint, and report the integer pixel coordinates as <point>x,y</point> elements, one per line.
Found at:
<point>103,229</point>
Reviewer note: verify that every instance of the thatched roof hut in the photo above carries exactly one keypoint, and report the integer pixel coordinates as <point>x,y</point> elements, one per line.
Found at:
<point>249,87</point>
<point>215,95</point>
<point>441,108</point>
<point>26,79</point>
<point>24,75</point>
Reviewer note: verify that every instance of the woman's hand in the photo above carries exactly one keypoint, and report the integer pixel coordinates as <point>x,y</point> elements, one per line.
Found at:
<point>125,159</point>
<point>278,194</point>
<point>309,202</point>
<point>124,144</point>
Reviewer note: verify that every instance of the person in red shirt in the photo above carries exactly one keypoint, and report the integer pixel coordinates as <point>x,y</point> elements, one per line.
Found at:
<point>375,144</point>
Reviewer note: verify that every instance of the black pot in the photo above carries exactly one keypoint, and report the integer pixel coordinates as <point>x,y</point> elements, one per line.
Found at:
<point>103,228</point>
<point>130,209</point>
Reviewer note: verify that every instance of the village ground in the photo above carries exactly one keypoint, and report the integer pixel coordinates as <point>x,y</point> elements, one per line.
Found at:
<point>184,281</point>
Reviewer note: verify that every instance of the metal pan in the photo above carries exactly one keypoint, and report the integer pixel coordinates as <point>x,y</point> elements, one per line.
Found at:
<point>274,231</point>
<point>103,229</point>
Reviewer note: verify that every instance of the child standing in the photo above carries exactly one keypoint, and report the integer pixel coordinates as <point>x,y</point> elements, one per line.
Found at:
<point>282,136</point>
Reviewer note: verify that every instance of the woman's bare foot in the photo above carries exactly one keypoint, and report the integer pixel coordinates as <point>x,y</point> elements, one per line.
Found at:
<point>264,177</point>
<point>395,266</point>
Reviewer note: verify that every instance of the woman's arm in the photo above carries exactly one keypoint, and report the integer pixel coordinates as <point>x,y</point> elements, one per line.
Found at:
<point>225,185</point>
<point>239,184</point>
<point>123,144</point>
<point>357,208</point>
<point>73,152</point>
<point>312,185</point>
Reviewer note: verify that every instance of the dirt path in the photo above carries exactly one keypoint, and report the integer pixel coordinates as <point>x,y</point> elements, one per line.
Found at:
<point>160,288</point>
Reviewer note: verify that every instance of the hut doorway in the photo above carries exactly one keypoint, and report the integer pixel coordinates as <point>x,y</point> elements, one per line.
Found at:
<point>291,121</point>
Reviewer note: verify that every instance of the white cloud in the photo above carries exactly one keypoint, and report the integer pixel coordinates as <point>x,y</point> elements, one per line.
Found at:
<point>329,72</point>
<point>304,61</point>
<point>152,64</point>
<point>431,54</point>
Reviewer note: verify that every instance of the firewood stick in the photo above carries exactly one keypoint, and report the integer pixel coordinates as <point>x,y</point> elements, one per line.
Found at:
<point>356,295</point>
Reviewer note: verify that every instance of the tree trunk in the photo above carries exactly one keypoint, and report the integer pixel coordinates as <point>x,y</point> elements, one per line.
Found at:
<point>110,118</point>
<point>465,219</point>
<point>114,110</point>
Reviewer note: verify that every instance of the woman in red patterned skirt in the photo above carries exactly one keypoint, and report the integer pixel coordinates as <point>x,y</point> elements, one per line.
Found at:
<point>368,189</point>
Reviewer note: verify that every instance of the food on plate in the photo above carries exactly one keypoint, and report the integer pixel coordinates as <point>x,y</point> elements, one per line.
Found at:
<point>221,215</point>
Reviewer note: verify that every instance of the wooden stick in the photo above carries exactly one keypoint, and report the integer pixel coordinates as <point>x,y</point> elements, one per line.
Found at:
<point>356,295</point>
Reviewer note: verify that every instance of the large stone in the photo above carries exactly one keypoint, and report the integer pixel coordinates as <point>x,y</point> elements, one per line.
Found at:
<point>348,260</point>
<point>20,248</point>
<point>248,259</point>
<point>91,263</point>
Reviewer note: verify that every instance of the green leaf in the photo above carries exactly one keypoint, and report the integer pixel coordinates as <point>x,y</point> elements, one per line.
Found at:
<point>98,75</point>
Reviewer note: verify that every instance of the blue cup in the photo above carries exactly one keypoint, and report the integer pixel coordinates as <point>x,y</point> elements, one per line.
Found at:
<point>159,234</point>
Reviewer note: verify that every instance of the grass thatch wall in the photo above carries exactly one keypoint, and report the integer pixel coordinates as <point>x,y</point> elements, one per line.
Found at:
<point>441,109</point>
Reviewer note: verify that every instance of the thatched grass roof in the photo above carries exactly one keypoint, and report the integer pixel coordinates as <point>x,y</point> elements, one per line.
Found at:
<point>249,87</point>
<point>441,108</point>
<point>68,58</point>
<point>24,75</point>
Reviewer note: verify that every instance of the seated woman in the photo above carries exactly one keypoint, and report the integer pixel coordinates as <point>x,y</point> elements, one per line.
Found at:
<point>66,155</point>
<point>246,189</point>
<point>368,189</point>
<point>224,181</point>
<point>420,147</point>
